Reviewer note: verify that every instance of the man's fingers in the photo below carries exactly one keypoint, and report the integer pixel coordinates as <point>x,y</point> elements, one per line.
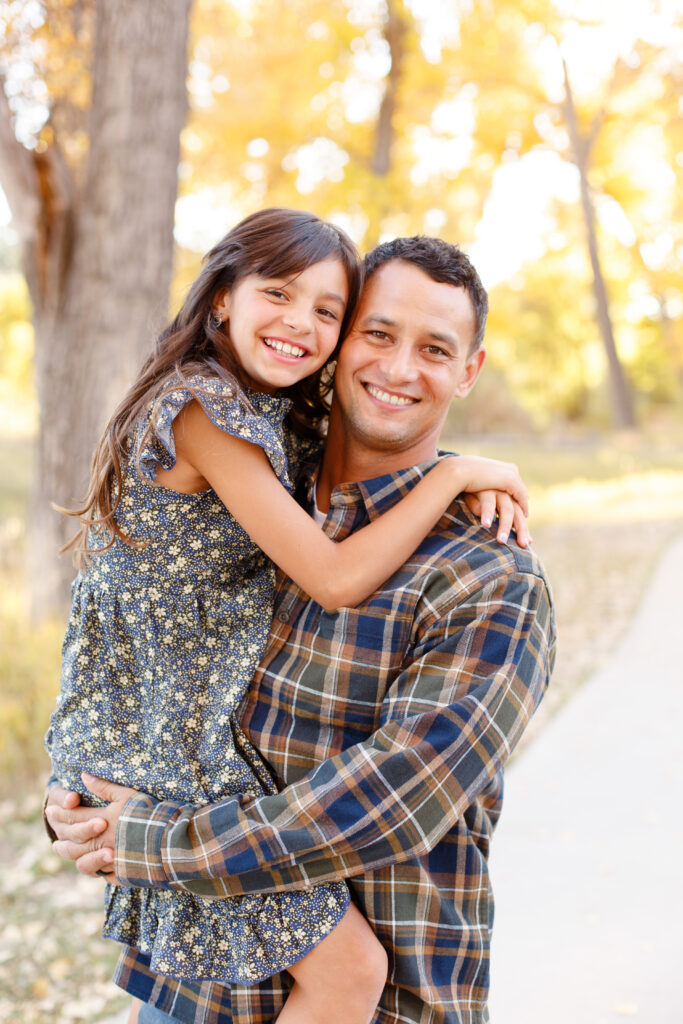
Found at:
<point>75,851</point>
<point>56,796</point>
<point>109,791</point>
<point>56,814</point>
<point>79,831</point>
<point>99,860</point>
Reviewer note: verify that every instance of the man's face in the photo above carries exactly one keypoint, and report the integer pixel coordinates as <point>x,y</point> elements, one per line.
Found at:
<point>406,357</point>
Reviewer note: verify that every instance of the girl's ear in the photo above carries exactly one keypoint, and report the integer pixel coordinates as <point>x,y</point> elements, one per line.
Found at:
<point>221,304</point>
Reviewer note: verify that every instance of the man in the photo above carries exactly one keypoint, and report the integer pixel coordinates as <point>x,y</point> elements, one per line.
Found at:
<point>388,724</point>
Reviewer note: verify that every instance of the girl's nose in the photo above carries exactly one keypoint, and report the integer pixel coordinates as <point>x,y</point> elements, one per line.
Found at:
<point>298,318</point>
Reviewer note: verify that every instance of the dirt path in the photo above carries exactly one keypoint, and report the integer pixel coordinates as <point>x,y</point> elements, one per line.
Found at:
<point>587,864</point>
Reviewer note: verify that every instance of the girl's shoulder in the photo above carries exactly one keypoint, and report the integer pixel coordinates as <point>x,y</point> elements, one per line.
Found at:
<point>233,408</point>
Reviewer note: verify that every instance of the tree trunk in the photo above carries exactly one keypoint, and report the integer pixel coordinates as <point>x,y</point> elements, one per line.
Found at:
<point>394,30</point>
<point>100,279</point>
<point>622,414</point>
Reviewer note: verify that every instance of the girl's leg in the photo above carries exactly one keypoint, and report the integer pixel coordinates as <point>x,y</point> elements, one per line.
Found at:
<point>133,1016</point>
<point>341,980</point>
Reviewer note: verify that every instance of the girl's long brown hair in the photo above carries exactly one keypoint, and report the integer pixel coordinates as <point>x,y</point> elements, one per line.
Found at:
<point>272,243</point>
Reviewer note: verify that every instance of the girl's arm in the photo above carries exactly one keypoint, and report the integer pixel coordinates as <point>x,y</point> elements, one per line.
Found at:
<point>333,574</point>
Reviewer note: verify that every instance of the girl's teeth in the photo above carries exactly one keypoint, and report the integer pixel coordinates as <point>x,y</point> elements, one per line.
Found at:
<point>285,348</point>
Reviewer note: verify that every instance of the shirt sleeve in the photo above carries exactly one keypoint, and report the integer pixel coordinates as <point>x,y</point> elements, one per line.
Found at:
<point>228,408</point>
<point>477,675</point>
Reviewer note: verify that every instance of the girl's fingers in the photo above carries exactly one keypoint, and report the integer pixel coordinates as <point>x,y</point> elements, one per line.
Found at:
<point>520,527</point>
<point>487,513</point>
<point>506,510</point>
<point>473,503</point>
<point>521,496</point>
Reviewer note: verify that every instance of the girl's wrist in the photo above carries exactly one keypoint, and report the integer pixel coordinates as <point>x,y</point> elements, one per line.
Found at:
<point>456,468</point>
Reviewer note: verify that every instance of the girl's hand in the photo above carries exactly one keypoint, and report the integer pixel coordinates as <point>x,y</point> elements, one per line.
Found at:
<point>476,474</point>
<point>486,505</point>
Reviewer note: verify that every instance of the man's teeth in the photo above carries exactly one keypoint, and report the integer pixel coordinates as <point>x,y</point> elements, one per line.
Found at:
<point>384,396</point>
<point>285,347</point>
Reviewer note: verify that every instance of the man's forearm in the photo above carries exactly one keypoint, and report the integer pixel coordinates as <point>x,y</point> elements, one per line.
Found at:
<point>387,799</point>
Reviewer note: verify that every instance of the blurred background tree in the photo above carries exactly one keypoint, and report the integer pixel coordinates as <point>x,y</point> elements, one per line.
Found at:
<point>523,129</point>
<point>91,186</point>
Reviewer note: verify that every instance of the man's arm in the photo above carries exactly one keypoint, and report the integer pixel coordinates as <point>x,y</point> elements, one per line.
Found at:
<point>471,687</point>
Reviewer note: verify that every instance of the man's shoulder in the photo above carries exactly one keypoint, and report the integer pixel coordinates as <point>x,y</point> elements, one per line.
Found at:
<point>468,555</point>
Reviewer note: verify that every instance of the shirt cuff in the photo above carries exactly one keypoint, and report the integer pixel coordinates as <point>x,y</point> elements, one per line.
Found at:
<point>138,859</point>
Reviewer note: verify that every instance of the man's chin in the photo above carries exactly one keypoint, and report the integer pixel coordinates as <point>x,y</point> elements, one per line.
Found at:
<point>381,437</point>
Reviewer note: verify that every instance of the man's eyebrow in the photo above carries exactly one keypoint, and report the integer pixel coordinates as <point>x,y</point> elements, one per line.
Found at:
<point>446,339</point>
<point>378,318</point>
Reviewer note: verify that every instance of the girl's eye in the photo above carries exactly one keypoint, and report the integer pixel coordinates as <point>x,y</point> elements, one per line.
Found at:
<point>329,314</point>
<point>276,293</point>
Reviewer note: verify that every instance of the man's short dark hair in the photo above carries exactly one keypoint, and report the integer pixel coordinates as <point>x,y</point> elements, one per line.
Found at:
<point>444,263</point>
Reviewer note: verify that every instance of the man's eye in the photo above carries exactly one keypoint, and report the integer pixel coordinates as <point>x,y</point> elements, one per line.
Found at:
<point>380,335</point>
<point>435,350</point>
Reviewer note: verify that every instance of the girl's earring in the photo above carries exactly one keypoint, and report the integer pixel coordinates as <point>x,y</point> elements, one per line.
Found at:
<point>217,319</point>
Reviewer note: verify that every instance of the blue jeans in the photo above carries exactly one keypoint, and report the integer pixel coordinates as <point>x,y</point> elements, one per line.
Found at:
<point>150,1015</point>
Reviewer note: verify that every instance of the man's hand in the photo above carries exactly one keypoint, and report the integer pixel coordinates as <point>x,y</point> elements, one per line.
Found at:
<point>86,834</point>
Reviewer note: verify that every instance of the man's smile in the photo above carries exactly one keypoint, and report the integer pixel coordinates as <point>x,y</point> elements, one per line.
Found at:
<point>388,397</point>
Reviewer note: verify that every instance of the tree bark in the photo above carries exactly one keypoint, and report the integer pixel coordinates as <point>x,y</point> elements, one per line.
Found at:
<point>99,260</point>
<point>622,406</point>
<point>380,164</point>
<point>384,134</point>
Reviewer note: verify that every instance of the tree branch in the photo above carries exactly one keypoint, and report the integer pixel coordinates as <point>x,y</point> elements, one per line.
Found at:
<point>39,193</point>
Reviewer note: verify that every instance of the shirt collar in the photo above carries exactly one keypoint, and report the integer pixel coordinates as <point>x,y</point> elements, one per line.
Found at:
<point>378,494</point>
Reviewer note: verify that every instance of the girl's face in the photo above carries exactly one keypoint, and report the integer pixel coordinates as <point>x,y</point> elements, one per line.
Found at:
<point>284,329</point>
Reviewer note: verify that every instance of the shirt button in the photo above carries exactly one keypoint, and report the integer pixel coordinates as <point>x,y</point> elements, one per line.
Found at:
<point>283,616</point>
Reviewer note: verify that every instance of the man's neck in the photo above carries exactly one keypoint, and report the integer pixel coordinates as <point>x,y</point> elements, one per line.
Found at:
<point>346,462</point>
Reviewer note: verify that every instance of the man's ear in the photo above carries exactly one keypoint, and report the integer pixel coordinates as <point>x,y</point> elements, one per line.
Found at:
<point>470,373</point>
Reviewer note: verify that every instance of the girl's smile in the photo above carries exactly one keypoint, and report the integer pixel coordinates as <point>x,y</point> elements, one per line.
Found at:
<point>285,329</point>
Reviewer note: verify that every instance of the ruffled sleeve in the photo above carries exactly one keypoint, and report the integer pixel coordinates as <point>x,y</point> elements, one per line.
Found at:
<point>252,416</point>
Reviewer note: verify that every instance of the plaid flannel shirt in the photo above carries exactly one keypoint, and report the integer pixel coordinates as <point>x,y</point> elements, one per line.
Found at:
<point>387,726</point>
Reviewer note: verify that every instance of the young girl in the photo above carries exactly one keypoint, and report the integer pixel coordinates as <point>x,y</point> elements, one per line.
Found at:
<point>189,502</point>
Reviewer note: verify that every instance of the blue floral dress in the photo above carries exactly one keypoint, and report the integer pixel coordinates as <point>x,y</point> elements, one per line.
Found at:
<point>161,645</point>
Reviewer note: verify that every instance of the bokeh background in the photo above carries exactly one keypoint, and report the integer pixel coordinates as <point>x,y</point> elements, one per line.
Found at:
<point>545,136</point>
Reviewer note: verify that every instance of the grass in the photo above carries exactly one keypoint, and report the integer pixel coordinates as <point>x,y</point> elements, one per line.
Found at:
<point>601,516</point>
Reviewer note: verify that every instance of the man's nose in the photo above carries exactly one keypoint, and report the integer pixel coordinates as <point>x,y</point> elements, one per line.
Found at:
<point>399,364</point>
<point>298,317</point>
